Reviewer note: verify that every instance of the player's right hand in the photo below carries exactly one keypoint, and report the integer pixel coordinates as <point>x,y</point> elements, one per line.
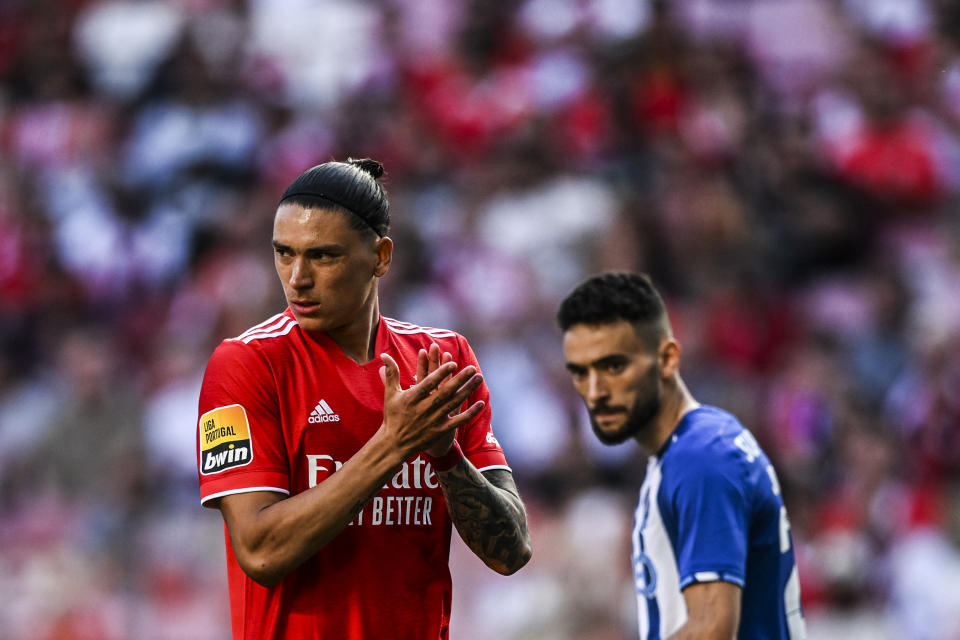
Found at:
<point>430,409</point>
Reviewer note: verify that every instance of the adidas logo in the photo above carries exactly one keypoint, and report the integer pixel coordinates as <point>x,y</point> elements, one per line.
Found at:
<point>322,413</point>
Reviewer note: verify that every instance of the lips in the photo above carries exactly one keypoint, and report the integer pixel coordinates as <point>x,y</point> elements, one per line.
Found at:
<point>603,414</point>
<point>304,307</point>
<point>607,408</point>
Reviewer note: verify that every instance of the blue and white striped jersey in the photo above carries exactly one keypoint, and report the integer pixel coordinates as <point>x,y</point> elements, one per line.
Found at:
<point>710,509</point>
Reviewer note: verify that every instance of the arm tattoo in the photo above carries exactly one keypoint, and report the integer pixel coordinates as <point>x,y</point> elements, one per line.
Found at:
<point>488,513</point>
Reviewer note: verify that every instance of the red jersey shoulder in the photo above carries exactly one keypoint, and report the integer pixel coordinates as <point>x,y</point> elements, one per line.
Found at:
<point>246,359</point>
<point>269,341</point>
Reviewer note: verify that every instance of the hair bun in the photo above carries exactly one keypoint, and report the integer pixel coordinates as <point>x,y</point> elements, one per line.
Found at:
<point>367,165</point>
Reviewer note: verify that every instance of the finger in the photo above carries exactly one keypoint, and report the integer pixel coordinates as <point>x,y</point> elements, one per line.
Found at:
<point>466,390</point>
<point>453,384</point>
<point>458,420</point>
<point>447,357</point>
<point>391,372</point>
<point>423,365</point>
<point>429,384</point>
<point>447,400</point>
<point>434,356</point>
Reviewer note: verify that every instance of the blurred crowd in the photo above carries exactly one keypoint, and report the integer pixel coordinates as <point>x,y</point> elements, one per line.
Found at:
<point>788,172</point>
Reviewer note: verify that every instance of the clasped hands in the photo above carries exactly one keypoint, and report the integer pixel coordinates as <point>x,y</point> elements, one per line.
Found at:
<point>426,416</point>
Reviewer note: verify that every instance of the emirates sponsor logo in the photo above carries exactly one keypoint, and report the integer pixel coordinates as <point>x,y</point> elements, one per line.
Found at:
<point>413,509</point>
<point>415,474</point>
<point>322,413</point>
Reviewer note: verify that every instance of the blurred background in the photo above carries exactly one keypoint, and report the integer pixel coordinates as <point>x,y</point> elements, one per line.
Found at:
<point>787,171</point>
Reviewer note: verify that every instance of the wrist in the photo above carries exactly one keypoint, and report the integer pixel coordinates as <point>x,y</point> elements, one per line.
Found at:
<point>383,441</point>
<point>448,460</point>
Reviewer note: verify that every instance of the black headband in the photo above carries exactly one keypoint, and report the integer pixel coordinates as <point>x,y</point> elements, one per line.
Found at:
<point>323,196</point>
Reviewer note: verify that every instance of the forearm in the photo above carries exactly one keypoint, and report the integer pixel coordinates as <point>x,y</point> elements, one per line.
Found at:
<point>491,519</point>
<point>271,541</point>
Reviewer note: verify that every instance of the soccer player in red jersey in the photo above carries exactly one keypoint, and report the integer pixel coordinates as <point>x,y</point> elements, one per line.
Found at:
<point>340,445</point>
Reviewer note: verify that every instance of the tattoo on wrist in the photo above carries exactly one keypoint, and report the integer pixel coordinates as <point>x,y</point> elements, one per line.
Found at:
<point>490,520</point>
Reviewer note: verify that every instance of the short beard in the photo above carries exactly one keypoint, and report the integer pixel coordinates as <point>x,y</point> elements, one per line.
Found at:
<point>644,411</point>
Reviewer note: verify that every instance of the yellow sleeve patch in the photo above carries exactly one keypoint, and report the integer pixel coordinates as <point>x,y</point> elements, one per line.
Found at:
<point>224,439</point>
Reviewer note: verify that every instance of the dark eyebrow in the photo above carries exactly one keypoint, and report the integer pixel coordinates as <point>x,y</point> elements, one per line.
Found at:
<point>309,251</point>
<point>615,358</point>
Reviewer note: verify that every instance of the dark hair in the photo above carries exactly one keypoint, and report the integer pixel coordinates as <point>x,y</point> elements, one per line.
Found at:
<point>350,187</point>
<point>613,296</point>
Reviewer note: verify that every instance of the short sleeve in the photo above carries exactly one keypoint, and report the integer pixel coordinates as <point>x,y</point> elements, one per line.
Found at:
<point>706,513</point>
<point>240,444</point>
<point>476,438</point>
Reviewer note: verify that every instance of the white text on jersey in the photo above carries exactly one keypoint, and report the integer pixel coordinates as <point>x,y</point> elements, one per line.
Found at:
<point>389,509</point>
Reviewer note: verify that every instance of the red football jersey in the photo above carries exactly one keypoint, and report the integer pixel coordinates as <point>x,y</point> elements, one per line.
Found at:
<point>280,410</point>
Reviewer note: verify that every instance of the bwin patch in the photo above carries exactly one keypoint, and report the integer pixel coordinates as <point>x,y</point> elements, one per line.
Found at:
<point>224,439</point>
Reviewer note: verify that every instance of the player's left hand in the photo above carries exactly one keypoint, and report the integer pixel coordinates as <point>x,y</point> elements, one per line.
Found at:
<point>428,361</point>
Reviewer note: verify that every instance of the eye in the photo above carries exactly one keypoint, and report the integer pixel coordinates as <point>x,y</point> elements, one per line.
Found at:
<point>577,373</point>
<point>321,255</point>
<point>615,367</point>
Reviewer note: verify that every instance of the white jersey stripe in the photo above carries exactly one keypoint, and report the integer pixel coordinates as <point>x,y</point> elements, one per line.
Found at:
<point>653,552</point>
<point>408,328</point>
<point>281,332</point>
<point>435,334</point>
<point>263,326</point>
<point>399,324</point>
<point>244,490</point>
<point>273,327</point>
<point>280,322</point>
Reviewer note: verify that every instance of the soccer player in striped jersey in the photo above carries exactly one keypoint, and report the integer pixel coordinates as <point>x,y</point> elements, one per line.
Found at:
<point>712,551</point>
<point>341,446</point>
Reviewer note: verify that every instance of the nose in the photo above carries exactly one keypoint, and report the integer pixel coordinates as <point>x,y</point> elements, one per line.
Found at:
<point>596,389</point>
<point>300,276</point>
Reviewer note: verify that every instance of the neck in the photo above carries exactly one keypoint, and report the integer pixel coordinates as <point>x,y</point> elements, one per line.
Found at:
<point>358,340</point>
<point>677,402</point>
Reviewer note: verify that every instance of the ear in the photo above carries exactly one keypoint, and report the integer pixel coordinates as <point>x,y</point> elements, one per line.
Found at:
<point>669,355</point>
<point>384,249</point>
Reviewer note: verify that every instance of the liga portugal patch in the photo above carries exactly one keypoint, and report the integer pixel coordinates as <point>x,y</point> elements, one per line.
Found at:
<point>224,439</point>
